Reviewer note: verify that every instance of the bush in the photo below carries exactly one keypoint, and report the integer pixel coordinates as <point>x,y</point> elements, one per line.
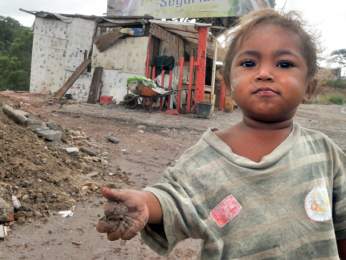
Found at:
<point>338,100</point>
<point>339,83</point>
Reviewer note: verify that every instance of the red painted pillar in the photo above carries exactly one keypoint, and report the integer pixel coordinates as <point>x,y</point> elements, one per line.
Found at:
<point>169,88</point>
<point>201,63</point>
<point>189,91</point>
<point>180,83</point>
<point>153,73</point>
<point>162,78</point>
<point>162,86</point>
<point>147,61</point>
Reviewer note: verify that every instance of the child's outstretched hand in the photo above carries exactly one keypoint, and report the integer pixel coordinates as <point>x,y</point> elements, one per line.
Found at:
<point>126,213</point>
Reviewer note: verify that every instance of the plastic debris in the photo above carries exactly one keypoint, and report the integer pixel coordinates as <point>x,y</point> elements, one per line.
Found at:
<point>67,213</point>
<point>16,203</point>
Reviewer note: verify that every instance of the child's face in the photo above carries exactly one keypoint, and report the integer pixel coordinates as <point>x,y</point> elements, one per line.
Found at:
<point>269,74</point>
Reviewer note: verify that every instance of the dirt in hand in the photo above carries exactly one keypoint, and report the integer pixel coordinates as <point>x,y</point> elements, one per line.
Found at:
<point>116,216</point>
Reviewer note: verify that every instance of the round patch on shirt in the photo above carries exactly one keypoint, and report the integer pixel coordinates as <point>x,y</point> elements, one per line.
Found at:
<point>317,205</point>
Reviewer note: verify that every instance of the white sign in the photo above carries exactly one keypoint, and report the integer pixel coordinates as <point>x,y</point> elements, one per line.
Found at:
<point>185,8</point>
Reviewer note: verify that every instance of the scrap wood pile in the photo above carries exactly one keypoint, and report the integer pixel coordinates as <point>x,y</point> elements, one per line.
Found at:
<point>36,177</point>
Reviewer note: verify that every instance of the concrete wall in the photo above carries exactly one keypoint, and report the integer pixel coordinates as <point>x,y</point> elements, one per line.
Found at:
<point>58,49</point>
<point>49,49</point>
<point>127,55</point>
<point>124,59</point>
<point>115,84</point>
<point>80,89</point>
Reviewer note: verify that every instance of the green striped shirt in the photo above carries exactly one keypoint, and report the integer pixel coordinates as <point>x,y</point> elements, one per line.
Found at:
<point>290,205</point>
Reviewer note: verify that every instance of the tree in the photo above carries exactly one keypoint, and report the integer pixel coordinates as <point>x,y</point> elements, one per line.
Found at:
<point>15,54</point>
<point>339,57</point>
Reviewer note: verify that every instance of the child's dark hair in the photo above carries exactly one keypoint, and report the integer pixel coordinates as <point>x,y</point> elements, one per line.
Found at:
<point>290,21</point>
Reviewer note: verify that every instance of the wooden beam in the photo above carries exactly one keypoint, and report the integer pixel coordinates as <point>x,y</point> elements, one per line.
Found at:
<point>107,40</point>
<point>95,86</point>
<point>72,79</point>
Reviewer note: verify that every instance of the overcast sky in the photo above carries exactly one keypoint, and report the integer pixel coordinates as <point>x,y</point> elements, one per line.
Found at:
<point>327,18</point>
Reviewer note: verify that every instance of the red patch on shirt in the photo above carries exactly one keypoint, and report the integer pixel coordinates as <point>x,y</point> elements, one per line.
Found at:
<point>225,211</point>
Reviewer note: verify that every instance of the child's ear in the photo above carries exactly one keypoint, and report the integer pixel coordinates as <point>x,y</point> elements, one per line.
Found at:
<point>310,89</point>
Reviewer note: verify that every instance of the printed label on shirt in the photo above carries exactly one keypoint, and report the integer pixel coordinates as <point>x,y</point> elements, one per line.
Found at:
<point>225,211</point>
<point>317,204</point>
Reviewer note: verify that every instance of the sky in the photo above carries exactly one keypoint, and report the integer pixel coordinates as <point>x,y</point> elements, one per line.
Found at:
<point>88,7</point>
<point>326,18</point>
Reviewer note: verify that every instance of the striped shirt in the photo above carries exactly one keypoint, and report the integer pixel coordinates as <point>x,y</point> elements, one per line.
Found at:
<point>290,205</point>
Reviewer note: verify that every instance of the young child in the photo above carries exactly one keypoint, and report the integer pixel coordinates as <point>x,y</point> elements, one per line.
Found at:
<point>263,188</point>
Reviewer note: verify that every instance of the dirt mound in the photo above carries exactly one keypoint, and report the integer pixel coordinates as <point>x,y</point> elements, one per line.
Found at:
<point>43,177</point>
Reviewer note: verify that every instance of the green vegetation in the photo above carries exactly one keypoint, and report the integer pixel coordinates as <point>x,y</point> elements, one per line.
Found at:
<point>335,99</point>
<point>330,97</point>
<point>15,54</point>
<point>339,83</point>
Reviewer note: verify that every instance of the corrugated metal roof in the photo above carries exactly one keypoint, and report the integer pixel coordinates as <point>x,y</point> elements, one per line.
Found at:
<point>98,19</point>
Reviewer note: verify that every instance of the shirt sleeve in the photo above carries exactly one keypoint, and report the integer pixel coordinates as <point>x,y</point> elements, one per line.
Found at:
<point>180,217</point>
<point>339,195</point>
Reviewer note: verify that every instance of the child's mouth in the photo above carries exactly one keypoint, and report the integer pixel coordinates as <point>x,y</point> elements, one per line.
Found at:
<point>266,92</point>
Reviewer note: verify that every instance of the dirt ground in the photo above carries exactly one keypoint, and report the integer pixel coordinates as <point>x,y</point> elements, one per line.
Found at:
<point>46,179</point>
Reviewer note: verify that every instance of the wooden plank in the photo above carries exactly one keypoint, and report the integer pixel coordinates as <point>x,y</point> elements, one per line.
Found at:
<point>107,40</point>
<point>180,28</point>
<point>95,86</point>
<point>72,79</point>
<point>185,34</point>
<point>161,33</point>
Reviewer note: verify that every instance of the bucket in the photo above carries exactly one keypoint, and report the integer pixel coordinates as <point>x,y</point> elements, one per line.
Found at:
<point>203,109</point>
<point>106,100</point>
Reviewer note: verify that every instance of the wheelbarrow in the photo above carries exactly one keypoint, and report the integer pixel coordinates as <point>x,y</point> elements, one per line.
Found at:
<point>147,96</point>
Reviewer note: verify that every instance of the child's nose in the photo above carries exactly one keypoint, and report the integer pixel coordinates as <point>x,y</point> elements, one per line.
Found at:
<point>264,73</point>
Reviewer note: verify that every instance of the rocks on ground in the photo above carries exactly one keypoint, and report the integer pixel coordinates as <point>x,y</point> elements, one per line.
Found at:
<point>39,178</point>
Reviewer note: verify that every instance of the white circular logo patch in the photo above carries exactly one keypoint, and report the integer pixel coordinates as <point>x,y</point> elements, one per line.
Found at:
<point>317,205</point>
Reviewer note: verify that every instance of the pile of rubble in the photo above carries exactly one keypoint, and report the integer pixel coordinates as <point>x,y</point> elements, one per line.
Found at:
<point>39,172</point>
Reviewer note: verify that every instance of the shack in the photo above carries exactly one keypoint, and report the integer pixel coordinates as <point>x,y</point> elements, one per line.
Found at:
<point>93,56</point>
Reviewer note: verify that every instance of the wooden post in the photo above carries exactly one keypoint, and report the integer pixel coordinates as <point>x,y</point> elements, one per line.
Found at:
<point>212,93</point>
<point>95,86</point>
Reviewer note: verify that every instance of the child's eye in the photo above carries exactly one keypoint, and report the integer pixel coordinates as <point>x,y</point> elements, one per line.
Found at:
<point>285,64</point>
<point>248,64</point>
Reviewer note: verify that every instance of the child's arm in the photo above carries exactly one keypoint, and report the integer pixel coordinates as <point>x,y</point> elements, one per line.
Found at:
<point>342,249</point>
<point>127,212</point>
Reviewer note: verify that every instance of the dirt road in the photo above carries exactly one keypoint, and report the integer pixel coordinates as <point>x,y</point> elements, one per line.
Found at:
<point>148,143</point>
